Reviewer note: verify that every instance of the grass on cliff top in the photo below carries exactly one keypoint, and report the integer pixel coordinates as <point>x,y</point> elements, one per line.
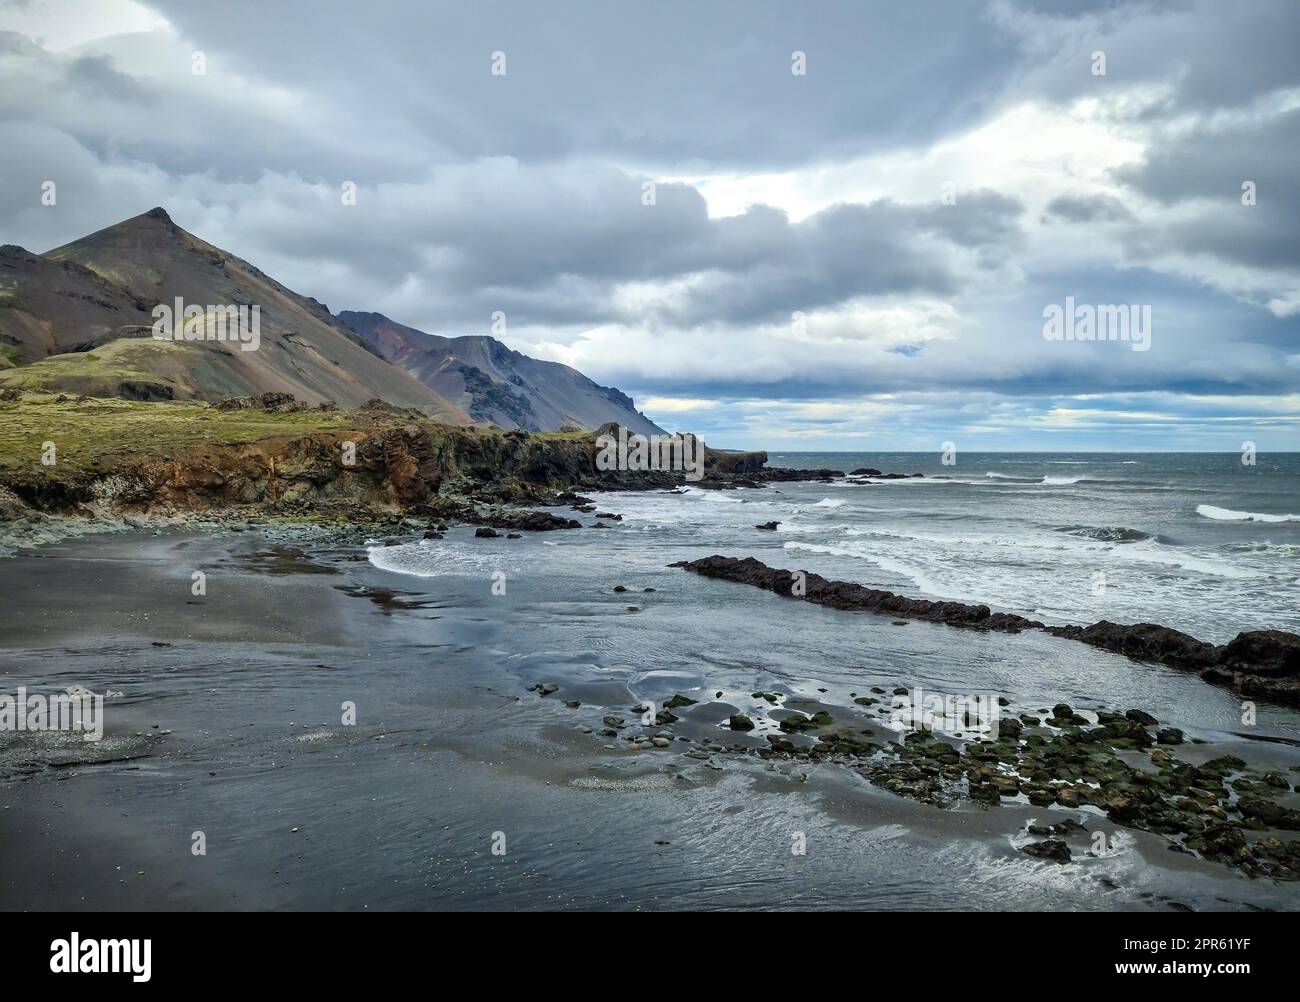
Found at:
<point>89,433</point>
<point>101,371</point>
<point>560,436</point>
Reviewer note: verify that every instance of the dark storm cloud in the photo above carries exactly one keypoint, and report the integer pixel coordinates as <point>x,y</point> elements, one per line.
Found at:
<point>838,254</point>
<point>1088,209</point>
<point>1204,55</point>
<point>1206,171</point>
<point>96,76</point>
<point>668,82</point>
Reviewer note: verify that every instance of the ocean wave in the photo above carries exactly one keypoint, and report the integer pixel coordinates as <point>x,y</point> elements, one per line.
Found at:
<point>1042,553</point>
<point>703,495</point>
<point>915,575</point>
<point>1062,481</point>
<point>429,560</point>
<point>1228,515</point>
<point>1211,565</point>
<point>829,503</point>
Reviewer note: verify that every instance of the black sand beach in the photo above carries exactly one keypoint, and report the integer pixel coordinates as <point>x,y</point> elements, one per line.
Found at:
<point>229,724</point>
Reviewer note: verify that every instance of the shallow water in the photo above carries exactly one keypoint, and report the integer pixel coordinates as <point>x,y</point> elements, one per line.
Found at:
<point>450,747</point>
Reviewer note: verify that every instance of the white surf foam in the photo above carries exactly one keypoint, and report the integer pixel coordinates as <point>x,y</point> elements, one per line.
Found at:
<point>1228,515</point>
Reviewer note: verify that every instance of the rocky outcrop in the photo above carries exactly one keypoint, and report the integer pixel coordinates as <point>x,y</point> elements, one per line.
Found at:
<point>854,597</point>
<point>1265,652</point>
<point>1261,663</point>
<point>1145,642</point>
<point>725,463</point>
<point>533,521</point>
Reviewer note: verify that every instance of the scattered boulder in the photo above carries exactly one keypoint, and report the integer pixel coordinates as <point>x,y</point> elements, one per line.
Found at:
<point>1053,848</point>
<point>532,521</point>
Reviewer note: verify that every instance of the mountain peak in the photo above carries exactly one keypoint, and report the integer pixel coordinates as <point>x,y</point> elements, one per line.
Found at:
<point>158,212</point>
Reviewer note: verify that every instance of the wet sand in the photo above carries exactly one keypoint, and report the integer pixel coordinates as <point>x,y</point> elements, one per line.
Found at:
<point>233,728</point>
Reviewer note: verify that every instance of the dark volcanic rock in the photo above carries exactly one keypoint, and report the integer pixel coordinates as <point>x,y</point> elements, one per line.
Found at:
<point>1052,848</point>
<point>1145,642</point>
<point>1263,652</point>
<point>845,595</point>
<point>769,526</point>
<point>865,471</point>
<point>483,532</point>
<point>534,521</point>
<point>1261,663</point>
<point>778,474</point>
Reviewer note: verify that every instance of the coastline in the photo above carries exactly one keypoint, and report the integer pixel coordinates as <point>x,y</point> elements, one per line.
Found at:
<point>398,813</point>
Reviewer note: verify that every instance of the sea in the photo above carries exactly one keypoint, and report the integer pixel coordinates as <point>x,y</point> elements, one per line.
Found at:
<point>1199,542</point>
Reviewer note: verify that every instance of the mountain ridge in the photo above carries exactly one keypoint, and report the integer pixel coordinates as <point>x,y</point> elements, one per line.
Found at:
<point>81,317</point>
<point>495,383</point>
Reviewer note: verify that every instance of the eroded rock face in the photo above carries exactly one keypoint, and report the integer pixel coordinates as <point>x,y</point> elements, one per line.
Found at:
<point>1145,642</point>
<point>1262,663</point>
<point>1263,652</point>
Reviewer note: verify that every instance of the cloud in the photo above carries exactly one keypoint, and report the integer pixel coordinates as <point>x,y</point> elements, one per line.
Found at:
<point>799,255</point>
<point>1088,209</point>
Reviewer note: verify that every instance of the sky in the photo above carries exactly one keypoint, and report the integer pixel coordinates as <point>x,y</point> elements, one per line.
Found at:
<point>787,226</point>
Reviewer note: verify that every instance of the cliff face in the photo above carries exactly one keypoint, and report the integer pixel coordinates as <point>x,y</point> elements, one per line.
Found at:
<point>351,464</point>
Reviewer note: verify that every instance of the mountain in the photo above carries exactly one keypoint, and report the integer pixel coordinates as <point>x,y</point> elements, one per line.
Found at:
<point>496,384</point>
<point>79,319</point>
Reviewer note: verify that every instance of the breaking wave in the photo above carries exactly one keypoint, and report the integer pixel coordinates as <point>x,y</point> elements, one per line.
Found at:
<point>1228,515</point>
